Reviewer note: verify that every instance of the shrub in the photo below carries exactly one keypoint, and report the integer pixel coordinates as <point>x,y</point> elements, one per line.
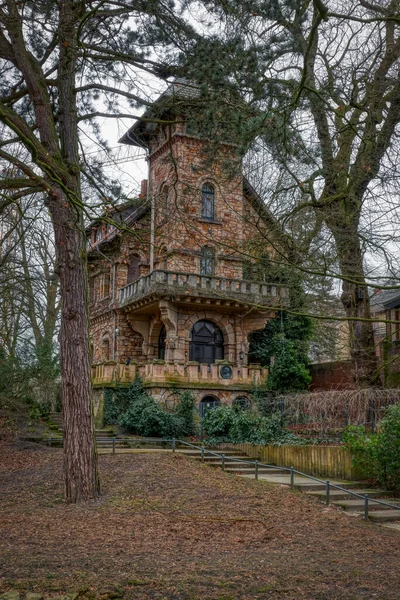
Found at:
<point>388,449</point>
<point>185,410</point>
<point>379,453</point>
<point>225,424</point>
<point>140,414</point>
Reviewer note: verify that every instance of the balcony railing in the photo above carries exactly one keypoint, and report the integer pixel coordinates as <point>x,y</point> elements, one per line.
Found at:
<point>172,374</point>
<point>205,285</point>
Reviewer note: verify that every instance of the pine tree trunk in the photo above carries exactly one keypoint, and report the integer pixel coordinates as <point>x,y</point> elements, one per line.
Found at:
<point>80,460</point>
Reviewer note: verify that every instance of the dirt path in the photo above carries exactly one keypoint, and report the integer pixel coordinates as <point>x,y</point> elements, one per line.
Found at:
<point>168,528</point>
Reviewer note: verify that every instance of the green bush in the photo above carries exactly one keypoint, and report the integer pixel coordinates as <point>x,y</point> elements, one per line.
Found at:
<point>140,414</point>
<point>379,453</point>
<point>225,424</point>
<point>185,410</point>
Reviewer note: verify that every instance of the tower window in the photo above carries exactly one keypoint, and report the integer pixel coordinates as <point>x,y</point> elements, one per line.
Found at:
<point>206,261</point>
<point>162,343</point>
<point>207,197</point>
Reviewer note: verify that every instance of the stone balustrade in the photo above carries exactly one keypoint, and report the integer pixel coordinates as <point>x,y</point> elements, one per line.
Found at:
<point>159,372</point>
<point>205,285</point>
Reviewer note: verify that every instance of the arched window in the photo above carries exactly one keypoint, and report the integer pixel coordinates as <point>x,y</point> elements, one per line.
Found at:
<point>162,343</point>
<point>241,402</point>
<point>207,198</point>
<point>133,269</point>
<point>208,403</point>
<point>207,343</point>
<point>207,261</point>
<point>165,201</point>
<point>105,349</point>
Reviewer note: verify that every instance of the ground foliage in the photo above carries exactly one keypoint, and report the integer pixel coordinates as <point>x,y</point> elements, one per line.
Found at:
<point>378,453</point>
<point>232,425</point>
<point>168,528</point>
<point>140,414</point>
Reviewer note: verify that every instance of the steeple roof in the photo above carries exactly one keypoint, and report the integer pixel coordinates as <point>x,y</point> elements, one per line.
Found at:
<point>168,103</point>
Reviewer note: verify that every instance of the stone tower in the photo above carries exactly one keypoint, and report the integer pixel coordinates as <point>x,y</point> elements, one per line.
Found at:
<point>167,288</point>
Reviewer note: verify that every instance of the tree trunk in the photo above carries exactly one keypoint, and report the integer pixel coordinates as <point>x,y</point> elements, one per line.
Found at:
<point>355,301</point>
<point>80,460</point>
<point>80,457</point>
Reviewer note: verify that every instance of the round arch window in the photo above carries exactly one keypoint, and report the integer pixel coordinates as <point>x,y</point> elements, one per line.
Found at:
<point>241,402</point>
<point>208,403</point>
<point>207,343</point>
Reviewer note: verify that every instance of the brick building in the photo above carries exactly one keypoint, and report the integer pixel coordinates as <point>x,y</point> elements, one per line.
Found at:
<point>171,287</point>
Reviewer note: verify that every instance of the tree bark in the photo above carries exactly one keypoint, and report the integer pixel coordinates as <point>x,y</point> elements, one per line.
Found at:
<point>80,460</point>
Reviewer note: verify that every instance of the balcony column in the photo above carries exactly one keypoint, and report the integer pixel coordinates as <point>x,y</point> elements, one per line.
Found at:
<point>169,316</point>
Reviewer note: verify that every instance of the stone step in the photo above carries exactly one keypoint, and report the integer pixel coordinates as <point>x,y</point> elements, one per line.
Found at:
<point>217,459</point>
<point>304,484</point>
<point>384,516</point>
<point>250,471</point>
<point>358,504</point>
<point>234,463</point>
<point>339,495</point>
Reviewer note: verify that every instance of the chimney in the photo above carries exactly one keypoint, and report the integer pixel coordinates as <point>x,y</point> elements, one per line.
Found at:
<point>143,188</point>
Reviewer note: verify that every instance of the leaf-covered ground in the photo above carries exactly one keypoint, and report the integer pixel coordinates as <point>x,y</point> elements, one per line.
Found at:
<point>169,528</point>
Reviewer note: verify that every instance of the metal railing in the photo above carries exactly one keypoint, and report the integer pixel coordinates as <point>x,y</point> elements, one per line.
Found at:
<point>292,471</point>
<point>130,442</point>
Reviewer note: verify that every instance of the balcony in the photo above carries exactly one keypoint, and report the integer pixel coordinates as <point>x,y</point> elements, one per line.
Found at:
<point>188,375</point>
<point>220,289</point>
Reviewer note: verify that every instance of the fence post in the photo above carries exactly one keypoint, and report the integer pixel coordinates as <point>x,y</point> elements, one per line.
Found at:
<point>113,445</point>
<point>202,454</point>
<point>256,469</point>
<point>292,477</point>
<point>366,507</point>
<point>223,461</point>
<point>50,441</point>
<point>173,445</point>
<point>328,490</point>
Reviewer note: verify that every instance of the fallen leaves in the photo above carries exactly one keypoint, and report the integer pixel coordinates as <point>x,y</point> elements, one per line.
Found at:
<point>167,527</point>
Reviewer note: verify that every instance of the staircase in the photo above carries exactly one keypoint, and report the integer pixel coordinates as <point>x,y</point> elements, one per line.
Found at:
<point>236,463</point>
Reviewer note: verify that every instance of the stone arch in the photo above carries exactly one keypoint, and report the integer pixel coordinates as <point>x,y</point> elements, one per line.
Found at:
<point>242,401</point>
<point>216,318</point>
<point>156,326</point>
<point>222,321</point>
<point>208,402</point>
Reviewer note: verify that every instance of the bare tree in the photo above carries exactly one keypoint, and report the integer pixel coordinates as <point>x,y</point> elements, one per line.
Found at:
<point>62,67</point>
<point>321,89</point>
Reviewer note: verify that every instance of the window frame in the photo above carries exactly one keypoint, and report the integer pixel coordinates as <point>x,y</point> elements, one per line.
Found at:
<point>208,201</point>
<point>207,261</point>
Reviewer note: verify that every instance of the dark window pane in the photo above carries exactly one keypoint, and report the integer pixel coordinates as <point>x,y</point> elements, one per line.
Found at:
<point>207,195</point>
<point>161,343</point>
<point>206,344</point>
<point>133,269</point>
<point>207,261</point>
